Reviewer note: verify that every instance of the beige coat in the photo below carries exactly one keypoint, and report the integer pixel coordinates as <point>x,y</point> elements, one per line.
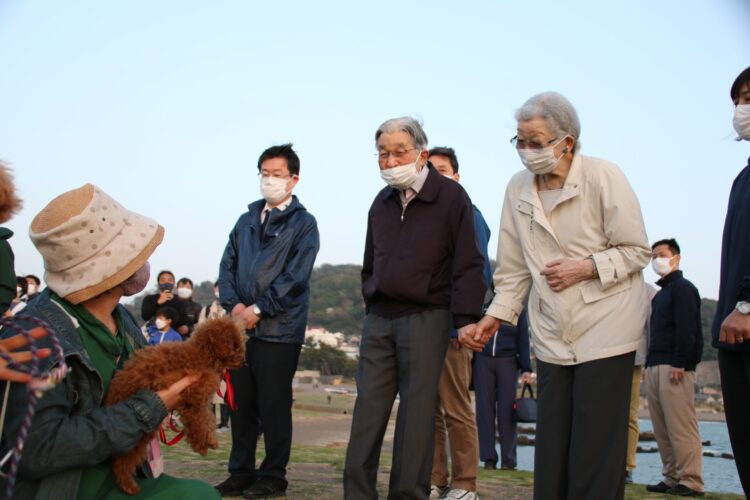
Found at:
<point>597,214</point>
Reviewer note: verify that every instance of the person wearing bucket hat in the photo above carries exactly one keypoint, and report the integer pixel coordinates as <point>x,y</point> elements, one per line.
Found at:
<point>95,251</point>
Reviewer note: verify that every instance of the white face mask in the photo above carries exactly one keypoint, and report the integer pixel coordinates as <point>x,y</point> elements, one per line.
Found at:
<point>742,121</point>
<point>273,189</point>
<point>184,292</point>
<point>31,290</point>
<point>662,265</point>
<point>540,161</point>
<point>401,177</point>
<point>160,323</point>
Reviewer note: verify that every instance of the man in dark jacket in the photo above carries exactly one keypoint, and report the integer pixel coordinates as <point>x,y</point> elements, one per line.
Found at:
<point>731,327</point>
<point>454,412</point>
<point>422,274</point>
<point>674,349</point>
<point>264,280</point>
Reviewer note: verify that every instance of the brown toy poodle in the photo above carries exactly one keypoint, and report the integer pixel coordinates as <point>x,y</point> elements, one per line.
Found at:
<point>214,346</point>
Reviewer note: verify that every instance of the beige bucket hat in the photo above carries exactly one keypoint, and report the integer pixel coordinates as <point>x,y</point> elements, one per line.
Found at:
<point>90,243</point>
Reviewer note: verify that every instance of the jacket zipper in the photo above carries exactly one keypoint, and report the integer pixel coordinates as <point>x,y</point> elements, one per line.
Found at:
<point>403,211</point>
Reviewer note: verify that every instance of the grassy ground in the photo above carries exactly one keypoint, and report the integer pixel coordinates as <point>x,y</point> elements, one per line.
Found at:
<point>315,472</point>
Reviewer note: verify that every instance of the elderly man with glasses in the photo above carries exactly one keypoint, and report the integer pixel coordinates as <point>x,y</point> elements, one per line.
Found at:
<point>422,274</point>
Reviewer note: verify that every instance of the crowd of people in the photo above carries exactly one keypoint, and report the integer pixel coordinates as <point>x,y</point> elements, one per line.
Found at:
<point>571,249</point>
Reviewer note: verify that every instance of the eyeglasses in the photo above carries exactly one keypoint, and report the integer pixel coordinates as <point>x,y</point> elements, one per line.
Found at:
<point>536,146</point>
<point>384,155</point>
<point>263,175</point>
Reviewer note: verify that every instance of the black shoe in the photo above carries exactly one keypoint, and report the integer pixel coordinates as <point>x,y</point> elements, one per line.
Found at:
<point>266,487</point>
<point>684,491</point>
<point>235,484</point>
<point>628,477</point>
<point>657,488</point>
<point>489,464</point>
<point>507,467</point>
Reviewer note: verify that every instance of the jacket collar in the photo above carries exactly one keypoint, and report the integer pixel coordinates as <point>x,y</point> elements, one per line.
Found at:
<point>257,206</point>
<point>669,278</point>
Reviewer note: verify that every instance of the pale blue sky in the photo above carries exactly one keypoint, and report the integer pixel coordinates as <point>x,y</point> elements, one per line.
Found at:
<point>166,105</point>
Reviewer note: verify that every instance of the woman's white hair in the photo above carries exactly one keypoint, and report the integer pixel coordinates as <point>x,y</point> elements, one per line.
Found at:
<point>557,111</point>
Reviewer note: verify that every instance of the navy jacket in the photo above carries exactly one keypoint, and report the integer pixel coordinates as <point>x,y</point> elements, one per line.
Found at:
<point>483,239</point>
<point>735,258</point>
<point>511,341</point>
<point>425,256</point>
<point>271,270</point>
<point>675,333</point>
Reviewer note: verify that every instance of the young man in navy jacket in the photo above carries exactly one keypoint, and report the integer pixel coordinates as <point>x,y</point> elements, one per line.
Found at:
<point>675,348</point>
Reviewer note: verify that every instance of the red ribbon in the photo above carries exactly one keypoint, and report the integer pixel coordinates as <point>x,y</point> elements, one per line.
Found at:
<point>228,396</point>
<point>172,426</point>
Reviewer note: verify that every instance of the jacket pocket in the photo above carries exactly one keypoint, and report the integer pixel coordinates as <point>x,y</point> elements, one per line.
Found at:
<point>593,291</point>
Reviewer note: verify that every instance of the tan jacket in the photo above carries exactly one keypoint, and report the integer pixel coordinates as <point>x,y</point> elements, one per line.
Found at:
<point>596,214</point>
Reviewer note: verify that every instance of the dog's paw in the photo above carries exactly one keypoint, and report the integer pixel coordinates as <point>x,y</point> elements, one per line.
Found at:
<point>212,443</point>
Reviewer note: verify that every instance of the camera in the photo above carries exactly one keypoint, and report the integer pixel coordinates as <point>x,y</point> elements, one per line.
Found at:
<point>166,287</point>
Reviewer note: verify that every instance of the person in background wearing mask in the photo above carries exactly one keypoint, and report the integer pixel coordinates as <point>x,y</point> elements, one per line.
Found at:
<point>731,327</point>
<point>95,252</point>
<point>264,282</point>
<point>214,311</point>
<point>572,238</point>
<point>161,330</point>
<point>164,298</point>
<point>454,414</point>
<point>191,309</point>
<point>495,385</point>
<point>422,275</point>
<point>19,303</point>
<point>674,349</point>
<point>34,286</point>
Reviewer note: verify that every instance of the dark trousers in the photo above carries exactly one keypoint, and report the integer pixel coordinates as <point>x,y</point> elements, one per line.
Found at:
<point>404,356</point>
<point>495,381</point>
<point>582,429</point>
<point>263,393</point>
<point>735,387</point>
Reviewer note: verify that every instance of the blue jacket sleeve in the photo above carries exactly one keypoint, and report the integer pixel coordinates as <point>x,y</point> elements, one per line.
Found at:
<point>483,240</point>
<point>686,306</point>
<point>228,273</point>
<point>524,357</point>
<point>294,281</point>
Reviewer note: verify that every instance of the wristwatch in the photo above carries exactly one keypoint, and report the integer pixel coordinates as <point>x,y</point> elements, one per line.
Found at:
<point>256,310</point>
<point>743,307</point>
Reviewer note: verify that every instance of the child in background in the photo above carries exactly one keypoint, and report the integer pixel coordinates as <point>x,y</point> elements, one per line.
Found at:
<point>161,330</point>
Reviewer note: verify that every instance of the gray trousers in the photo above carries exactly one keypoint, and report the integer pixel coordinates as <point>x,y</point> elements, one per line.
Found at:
<point>396,356</point>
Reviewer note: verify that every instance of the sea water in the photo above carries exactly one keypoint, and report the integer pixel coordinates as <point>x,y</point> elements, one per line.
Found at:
<point>719,474</point>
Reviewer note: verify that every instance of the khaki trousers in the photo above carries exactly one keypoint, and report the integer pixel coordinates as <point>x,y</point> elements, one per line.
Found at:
<point>672,409</point>
<point>454,414</point>
<point>635,401</point>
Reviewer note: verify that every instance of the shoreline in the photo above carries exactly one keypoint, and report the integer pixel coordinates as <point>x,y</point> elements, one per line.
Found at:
<point>703,416</point>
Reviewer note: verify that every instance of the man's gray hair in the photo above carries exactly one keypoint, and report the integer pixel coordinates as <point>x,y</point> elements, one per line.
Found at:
<point>404,124</point>
<point>556,110</point>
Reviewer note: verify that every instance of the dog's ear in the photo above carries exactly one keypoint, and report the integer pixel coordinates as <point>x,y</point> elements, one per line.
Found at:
<point>221,337</point>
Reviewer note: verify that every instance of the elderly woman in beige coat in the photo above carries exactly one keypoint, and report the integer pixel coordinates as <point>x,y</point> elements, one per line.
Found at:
<point>572,238</point>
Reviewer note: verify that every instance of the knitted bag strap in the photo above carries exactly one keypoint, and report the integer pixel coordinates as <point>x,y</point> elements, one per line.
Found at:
<point>41,381</point>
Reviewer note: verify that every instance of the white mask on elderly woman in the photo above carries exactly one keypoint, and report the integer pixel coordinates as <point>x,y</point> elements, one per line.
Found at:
<point>742,121</point>
<point>541,161</point>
